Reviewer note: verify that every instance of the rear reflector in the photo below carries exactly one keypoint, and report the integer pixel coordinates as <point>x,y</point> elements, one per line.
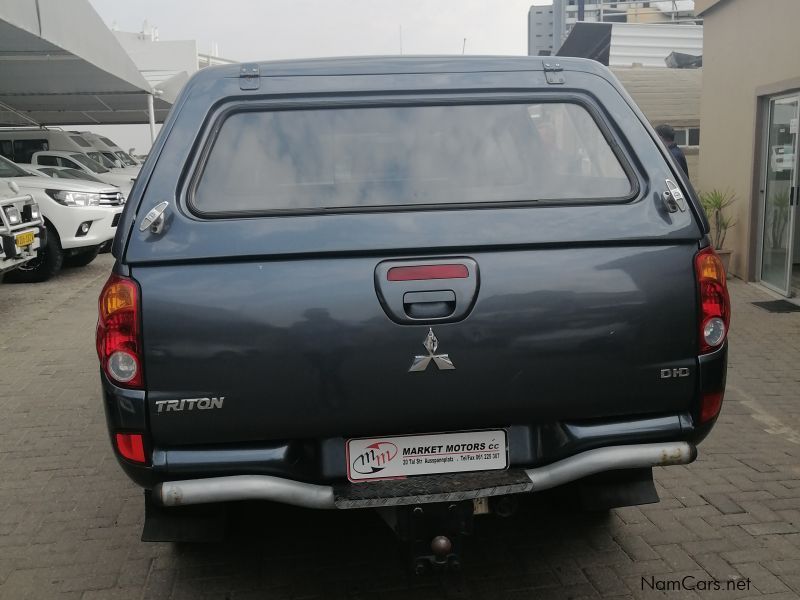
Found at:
<point>419,272</point>
<point>710,405</point>
<point>131,446</point>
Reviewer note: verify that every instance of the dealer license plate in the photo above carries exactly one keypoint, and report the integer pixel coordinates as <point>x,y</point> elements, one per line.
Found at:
<point>408,455</point>
<point>25,239</point>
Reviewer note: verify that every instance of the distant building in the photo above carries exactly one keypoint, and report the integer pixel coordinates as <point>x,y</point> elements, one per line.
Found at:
<point>750,111</point>
<point>540,30</point>
<point>549,26</point>
<point>165,64</point>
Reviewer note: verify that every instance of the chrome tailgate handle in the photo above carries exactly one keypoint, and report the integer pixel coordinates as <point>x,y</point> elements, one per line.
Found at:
<point>154,220</point>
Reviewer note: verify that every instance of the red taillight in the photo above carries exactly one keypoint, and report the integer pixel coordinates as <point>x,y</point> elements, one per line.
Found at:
<point>420,272</point>
<point>715,305</point>
<point>118,332</point>
<point>131,446</point>
<point>710,405</point>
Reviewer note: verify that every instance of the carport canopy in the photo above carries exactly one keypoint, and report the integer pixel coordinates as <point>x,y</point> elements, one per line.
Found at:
<point>61,65</point>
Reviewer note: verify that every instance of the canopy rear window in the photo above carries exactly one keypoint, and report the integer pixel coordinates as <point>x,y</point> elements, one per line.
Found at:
<point>362,158</point>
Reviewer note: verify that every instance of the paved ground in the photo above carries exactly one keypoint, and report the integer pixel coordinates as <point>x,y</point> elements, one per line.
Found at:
<point>70,521</point>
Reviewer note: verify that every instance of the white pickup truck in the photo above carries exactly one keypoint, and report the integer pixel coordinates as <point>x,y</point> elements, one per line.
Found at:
<point>79,217</point>
<point>122,178</point>
<point>21,230</point>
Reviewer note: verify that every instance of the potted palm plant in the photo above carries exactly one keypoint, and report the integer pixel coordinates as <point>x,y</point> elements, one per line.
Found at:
<point>716,203</point>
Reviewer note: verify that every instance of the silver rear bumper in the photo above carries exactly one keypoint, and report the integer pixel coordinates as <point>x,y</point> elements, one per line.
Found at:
<point>287,491</point>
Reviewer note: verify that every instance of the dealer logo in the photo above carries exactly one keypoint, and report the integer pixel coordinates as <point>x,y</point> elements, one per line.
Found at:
<point>375,458</point>
<point>442,361</point>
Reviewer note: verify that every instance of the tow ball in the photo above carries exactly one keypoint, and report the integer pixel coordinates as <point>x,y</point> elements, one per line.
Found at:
<point>434,533</point>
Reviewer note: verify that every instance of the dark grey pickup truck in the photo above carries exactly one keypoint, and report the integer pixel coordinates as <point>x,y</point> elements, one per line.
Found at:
<point>423,285</point>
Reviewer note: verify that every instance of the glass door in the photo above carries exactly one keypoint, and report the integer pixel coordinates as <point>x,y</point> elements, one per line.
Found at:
<point>780,194</point>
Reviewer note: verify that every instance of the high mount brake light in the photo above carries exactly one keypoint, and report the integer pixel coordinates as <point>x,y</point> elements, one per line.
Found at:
<point>118,338</point>
<point>422,272</point>
<point>715,304</point>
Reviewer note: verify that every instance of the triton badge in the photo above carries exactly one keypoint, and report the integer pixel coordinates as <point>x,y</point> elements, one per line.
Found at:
<point>189,404</point>
<point>442,361</point>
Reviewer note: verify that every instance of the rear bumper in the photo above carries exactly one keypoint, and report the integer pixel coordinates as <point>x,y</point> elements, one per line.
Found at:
<point>287,491</point>
<point>551,446</point>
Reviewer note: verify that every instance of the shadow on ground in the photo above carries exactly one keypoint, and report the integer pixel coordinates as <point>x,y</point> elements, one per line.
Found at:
<point>285,552</point>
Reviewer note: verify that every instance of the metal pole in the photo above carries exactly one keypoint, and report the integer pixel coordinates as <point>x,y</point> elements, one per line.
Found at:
<point>19,114</point>
<point>152,114</point>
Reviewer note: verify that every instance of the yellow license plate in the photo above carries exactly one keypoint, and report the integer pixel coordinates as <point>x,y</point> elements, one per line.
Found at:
<point>25,239</point>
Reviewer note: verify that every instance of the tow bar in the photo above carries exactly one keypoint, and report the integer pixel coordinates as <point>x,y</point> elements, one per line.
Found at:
<point>434,533</point>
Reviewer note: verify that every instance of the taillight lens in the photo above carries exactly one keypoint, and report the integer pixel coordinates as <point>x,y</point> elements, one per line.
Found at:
<point>131,446</point>
<point>715,304</point>
<point>119,333</point>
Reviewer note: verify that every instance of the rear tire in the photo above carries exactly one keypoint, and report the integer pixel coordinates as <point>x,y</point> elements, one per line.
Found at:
<point>46,264</point>
<point>82,258</point>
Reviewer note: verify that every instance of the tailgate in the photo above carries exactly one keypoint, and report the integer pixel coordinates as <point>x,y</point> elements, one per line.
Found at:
<point>306,349</point>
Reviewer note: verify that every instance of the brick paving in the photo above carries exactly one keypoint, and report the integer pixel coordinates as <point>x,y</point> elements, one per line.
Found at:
<point>70,520</point>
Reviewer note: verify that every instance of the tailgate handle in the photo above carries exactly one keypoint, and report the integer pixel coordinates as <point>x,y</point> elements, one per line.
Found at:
<point>434,304</point>
<point>427,290</point>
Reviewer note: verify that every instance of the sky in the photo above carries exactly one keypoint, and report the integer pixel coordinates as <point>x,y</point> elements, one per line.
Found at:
<point>249,30</point>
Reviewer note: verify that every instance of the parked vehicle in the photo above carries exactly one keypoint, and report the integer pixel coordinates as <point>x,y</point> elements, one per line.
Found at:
<point>89,149</point>
<point>64,173</point>
<point>21,230</point>
<point>19,145</point>
<point>110,194</point>
<point>782,158</point>
<point>81,162</point>
<point>423,285</point>
<point>110,149</point>
<point>79,216</point>
<point>99,155</point>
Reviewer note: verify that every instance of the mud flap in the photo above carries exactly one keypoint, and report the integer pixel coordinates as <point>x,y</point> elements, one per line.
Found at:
<point>614,489</point>
<point>201,523</point>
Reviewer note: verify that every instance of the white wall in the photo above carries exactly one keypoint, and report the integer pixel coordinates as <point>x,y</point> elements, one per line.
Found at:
<point>649,44</point>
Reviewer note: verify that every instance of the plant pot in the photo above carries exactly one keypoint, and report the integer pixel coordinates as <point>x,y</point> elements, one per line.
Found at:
<point>725,257</point>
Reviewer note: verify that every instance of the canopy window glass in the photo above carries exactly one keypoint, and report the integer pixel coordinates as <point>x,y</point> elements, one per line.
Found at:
<point>408,156</point>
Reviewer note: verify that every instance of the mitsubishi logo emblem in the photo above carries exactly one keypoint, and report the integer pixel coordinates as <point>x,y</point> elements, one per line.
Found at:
<point>442,361</point>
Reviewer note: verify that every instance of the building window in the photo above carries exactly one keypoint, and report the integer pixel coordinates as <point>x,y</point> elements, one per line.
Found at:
<point>687,136</point>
